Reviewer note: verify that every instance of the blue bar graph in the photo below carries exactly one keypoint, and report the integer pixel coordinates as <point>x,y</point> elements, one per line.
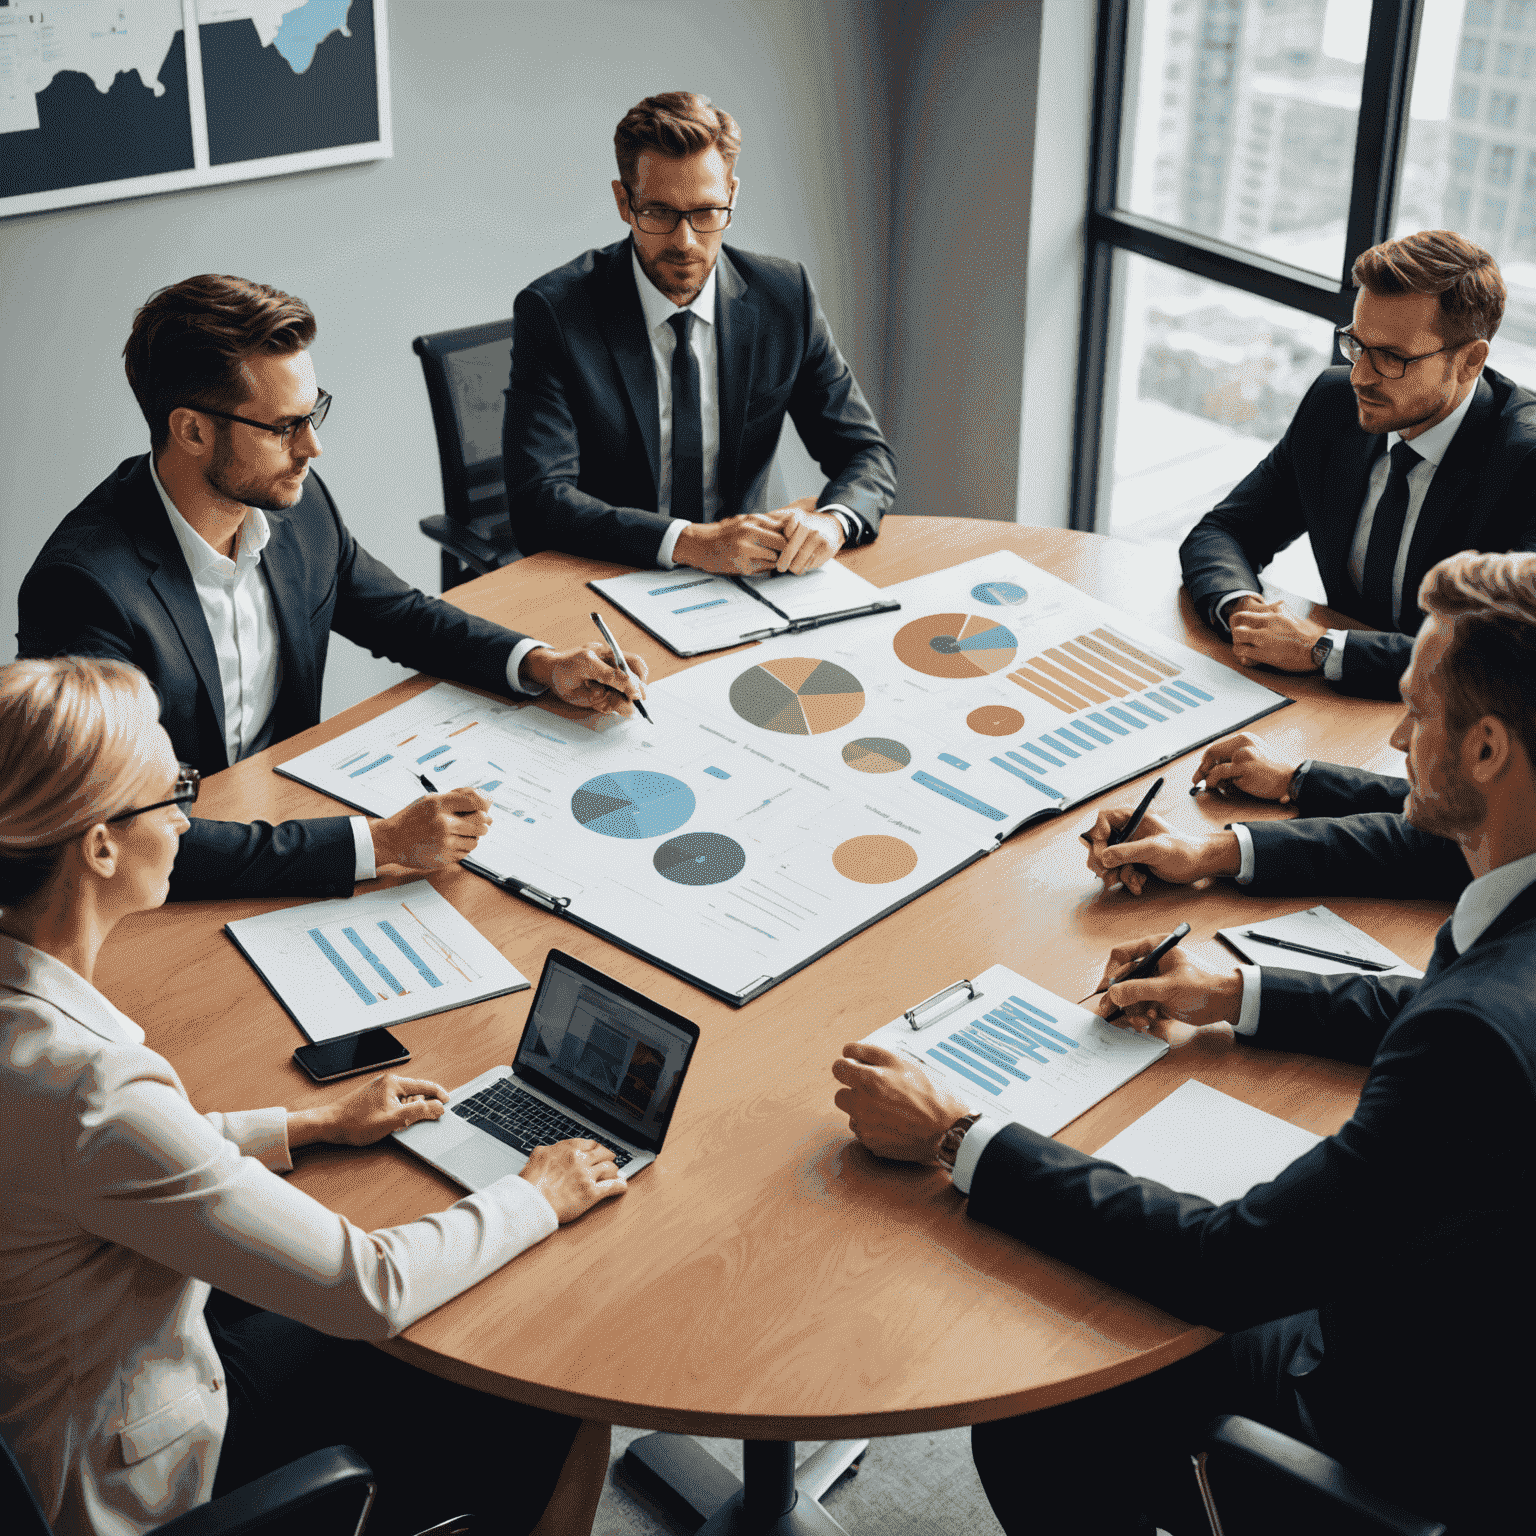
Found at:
<point>1146,709</point>
<point>954,762</point>
<point>348,975</point>
<point>973,1065</point>
<point>496,766</point>
<point>1168,701</point>
<point>1029,778</point>
<point>991,1047</point>
<point>1036,750</point>
<point>945,1060</point>
<point>1003,1028</point>
<point>1188,687</point>
<point>378,762</point>
<point>717,773</point>
<point>1060,745</point>
<point>487,788</point>
<point>714,602</point>
<point>356,757</point>
<point>1109,725</point>
<point>1088,730</point>
<point>387,928</point>
<point>351,935</point>
<point>1120,714</point>
<point>681,586</point>
<point>1030,1031</point>
<point>1049,1018</point>
<point>1078,738</point>
<point>426,757</point>
<point>970,802</point>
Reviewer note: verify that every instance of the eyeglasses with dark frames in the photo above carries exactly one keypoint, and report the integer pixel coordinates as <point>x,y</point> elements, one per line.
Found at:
<point>284,434</point>
<point>660,220</point>
<point>1390,365</point>
<point>185,792</point>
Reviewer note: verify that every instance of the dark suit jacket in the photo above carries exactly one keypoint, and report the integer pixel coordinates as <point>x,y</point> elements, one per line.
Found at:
<point>112,581</point>
<point>1314,481</point>
<point>581,435</point>
<point>1408,1231</point>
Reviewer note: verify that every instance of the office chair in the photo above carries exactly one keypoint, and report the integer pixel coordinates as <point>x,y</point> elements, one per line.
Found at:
<point>334,1486</point>
<point>1256,1481</point>
<point>466,372</point>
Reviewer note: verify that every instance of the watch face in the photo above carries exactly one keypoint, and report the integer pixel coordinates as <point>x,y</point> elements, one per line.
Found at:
<point>1322,650</point>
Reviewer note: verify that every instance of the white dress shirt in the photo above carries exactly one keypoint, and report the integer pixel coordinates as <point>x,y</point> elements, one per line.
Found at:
<point>1432,447</point>
<point>117,1192</point>
<point>703,342</point>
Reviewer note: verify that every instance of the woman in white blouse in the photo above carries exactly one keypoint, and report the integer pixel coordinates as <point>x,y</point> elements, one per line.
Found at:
<point>124,1402</point>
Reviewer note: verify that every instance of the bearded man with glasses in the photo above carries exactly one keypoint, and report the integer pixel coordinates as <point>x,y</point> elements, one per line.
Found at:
<point>218,564</point>
<point>1415,451</point>
<point>651,378</point>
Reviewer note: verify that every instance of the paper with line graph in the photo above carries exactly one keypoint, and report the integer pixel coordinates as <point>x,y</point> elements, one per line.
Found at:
<point>372,960</point>
<point>1022,1053</point>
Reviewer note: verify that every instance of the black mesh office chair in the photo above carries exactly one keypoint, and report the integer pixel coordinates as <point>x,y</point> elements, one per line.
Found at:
<point>466,372</point>
<point>1258,1482</point>
<point>334,1488</point>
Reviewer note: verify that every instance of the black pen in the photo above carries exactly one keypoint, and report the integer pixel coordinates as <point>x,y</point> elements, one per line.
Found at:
<point>427,784</point>
<point>1322,954</point>
<point>1128,831</point>
<point>1145,967</point>
<point>618,661</point>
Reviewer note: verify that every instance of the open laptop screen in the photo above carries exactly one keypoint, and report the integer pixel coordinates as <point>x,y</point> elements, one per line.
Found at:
<point>594,1042</point>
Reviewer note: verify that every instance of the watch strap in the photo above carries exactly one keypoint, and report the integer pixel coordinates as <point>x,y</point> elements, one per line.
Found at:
<point>949,1147</point>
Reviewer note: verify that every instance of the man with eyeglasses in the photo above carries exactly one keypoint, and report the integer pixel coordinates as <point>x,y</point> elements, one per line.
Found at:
<point>651,378</point>
<point>1415,451</point>
<point>218,564</point>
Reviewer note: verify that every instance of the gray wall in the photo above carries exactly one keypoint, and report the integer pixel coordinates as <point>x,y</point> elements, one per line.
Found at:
<point>859,117</point>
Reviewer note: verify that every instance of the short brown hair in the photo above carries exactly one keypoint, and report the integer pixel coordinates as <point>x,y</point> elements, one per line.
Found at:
<point>1439,261</point>
<point>675,123</point>
<point>188,341</point>
<point>1489,666</point>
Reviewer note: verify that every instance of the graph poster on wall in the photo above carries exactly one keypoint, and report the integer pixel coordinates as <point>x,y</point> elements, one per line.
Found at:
<point>103,99</point>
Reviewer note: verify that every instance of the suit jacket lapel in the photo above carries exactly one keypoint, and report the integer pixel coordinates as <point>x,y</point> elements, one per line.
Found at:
<point>624,331</point>
<point>1349,469</point>
<point>736,347</point>
<point>282,564</point>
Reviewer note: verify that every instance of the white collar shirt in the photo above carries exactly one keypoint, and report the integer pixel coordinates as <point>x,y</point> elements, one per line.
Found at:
<point>1482,902</point>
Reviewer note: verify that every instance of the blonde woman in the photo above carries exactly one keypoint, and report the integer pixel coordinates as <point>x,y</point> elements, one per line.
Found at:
<point>124,1401</point>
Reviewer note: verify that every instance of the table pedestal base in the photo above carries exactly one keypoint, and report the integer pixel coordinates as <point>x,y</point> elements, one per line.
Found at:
<point>772,1500</point>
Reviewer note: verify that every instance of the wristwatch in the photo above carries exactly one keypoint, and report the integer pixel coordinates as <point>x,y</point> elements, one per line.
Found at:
<point>949,1148</point>
<point>1293,789</point>
<point>1322,651</point>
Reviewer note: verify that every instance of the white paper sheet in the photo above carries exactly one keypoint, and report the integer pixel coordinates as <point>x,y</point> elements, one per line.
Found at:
<point>1322,929</point>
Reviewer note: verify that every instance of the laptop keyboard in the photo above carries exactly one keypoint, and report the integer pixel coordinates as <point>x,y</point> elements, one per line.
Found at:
<point>513,1115</point>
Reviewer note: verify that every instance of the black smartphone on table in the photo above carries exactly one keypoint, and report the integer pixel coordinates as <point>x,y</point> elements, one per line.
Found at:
<point>368,1052</point>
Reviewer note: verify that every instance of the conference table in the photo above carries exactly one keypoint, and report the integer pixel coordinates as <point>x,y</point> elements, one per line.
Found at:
<point>767,1278</point>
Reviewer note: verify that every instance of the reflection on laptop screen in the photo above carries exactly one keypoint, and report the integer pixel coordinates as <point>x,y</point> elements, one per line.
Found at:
<point>599,1046</point>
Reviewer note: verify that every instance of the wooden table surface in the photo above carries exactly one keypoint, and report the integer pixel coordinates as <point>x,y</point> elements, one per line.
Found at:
<point>767,1278</point>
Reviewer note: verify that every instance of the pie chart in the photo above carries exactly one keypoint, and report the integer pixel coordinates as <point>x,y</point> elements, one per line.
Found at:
<point>876,754</point>
<point>797,696</point>
<point>995,720</point>
<point>634,803</point>
<point>875,859</point>
<point>955,645</point>
<point>1000,594</point>
<point>699,858</point>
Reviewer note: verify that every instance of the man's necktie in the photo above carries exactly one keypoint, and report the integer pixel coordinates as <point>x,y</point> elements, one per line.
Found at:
<point>1386,536</point>
<point>687,426</point>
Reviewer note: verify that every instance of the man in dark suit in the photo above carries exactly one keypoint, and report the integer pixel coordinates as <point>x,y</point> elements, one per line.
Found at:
<point>218,564</point>
<point>1374,1291</point>
<point>622,442</point>
<point>1415,451</point>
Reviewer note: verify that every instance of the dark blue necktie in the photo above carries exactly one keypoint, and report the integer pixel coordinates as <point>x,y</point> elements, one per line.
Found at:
<point>1386,536</point>
<point>687,426</point>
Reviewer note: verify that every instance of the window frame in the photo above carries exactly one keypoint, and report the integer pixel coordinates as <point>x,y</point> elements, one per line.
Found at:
<point>1380,134</point>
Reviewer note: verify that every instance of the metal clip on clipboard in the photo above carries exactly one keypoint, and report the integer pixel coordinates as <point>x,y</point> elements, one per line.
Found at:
<point>911,1014</point>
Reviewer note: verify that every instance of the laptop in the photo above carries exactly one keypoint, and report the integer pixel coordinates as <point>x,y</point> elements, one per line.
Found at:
<point>596,1059</point>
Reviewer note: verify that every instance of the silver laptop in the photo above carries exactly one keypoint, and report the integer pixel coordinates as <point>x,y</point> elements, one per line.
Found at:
<point>596,1059</point>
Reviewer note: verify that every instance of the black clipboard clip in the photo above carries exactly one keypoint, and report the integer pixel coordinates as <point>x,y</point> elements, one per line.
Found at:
<point>536,896</point>
<point>911,1015</point>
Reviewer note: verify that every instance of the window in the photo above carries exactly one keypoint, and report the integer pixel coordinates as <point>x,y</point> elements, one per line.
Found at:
<point>1479,13</point>
<point>1465,153</point>
<point>1506,63</point>
<point>1473,52</point>
<point>1493,216</point>
<point>1501,165</point>
<point>1517,15</point>
<point>1466,101</point>
<point>1502,106</point>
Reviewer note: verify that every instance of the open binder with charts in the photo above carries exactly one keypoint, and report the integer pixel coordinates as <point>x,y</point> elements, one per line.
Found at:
<point>783,800</point>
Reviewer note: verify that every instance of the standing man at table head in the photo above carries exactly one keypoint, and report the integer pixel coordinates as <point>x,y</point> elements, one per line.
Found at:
<point>1373,1292</point>
<point>218,564</point>
<point>651,378</point>
<point>1414,451</point>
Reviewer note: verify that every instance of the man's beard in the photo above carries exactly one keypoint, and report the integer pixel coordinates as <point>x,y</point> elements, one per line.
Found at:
<point>678,283</point>
<point>1400,424</point>
<point>1457,805</point>
<point>249,493</point>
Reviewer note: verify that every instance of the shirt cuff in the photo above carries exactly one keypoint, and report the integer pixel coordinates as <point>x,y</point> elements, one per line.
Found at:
<point>1245,851</point>
<point>515,664</point>
<point>362,845</point>
<point>1247,1020</point>
<point>1333,668</point>
<point>852,523</point>
<point>664,560</point>
<point>972,1145</point>
<point>1232,597</point>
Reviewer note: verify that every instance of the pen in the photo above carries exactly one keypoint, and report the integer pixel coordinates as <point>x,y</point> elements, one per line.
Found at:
<point>618,660</point>
<point>1322,954</point>
<point>1198,785</point>
<point>427,784</point>
<point>1128,831</point>
<point>1145,967</point>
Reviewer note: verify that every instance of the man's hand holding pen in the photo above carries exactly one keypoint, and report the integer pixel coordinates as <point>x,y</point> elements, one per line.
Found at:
<point>586,677</point>
<point>1157,850</point>
<point>1175,1004</point>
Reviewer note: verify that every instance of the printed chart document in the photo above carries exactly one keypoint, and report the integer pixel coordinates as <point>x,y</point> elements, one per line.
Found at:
<point>779,802</point>
<point>365,962</point>
<point>1321,929</point>
<point>1019,1051</point>
<point>691,612</point>
<point>1199,1141</point>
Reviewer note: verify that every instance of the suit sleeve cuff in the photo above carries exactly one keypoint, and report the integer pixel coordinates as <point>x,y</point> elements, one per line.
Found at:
<point>1245,851</point>
<point>515,664</point>
<point>852,523</point>
<point>972,1145</point>
<point>1247,1021</point>
<point>664,560</point>
<point>362,844</point>
<point>1231,597</point>
<point>1333,668</point>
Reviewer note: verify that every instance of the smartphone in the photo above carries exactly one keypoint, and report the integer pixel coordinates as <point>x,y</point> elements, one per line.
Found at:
<point>368,1052</point>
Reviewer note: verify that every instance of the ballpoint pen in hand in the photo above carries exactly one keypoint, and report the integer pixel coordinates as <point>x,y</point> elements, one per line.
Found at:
<point>1322,954</point>
<point>1128,831</point>
<point>1143,968</point>
<point>618,660</point>
<point>427,784</point>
